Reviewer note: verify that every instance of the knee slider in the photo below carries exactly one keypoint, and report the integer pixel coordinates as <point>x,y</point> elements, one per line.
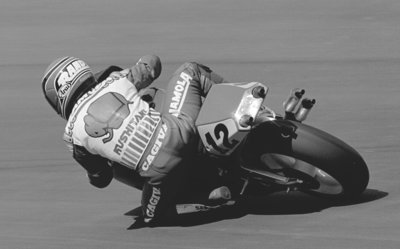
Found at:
<point>190,68</point>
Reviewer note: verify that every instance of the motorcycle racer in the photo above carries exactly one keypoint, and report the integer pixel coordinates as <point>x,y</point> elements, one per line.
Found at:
<point>108,123</point>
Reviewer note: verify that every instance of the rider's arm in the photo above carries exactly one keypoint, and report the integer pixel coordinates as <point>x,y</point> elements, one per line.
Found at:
<point>103,74</point>
<point>99,172</point>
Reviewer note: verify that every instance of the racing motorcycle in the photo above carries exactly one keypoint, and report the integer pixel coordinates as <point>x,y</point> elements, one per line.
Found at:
<point>278,152</point>
<point>272,151</point>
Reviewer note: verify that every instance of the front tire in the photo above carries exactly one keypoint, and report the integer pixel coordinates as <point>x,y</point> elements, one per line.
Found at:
<point>328,166</point>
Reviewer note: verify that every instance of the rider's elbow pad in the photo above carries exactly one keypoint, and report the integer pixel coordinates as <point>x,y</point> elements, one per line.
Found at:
<point>101,179</point>
<point>90,162</point>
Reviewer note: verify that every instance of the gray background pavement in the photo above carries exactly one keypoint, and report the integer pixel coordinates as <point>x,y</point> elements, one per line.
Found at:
<point>346,53</point>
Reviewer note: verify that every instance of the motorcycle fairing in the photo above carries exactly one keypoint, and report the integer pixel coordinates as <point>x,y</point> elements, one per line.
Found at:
<point>219,122</point>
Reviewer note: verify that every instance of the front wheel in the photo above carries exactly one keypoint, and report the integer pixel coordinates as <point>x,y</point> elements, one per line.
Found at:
<point>325,165</point>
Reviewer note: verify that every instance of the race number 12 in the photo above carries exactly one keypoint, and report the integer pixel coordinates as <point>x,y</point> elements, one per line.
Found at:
<point>221,130</point>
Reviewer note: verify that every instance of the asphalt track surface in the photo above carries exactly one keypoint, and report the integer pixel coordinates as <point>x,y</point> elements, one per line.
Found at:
<point>345,53</point>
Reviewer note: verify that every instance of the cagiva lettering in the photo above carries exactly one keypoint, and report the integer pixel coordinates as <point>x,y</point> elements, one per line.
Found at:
<point>129,129</point>
<point>156,147</point>
<point>65,79</point>
<point>154,199</point>
<point>179,93</point>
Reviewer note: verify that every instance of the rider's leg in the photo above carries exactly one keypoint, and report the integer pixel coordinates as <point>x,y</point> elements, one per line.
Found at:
<point>184,96</point>
<point>188,85</point>
<point>178,137</point>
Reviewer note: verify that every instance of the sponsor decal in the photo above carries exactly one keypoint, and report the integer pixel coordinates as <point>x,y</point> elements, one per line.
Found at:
<point>128,131</point>
<point>85,98</point>
<point>136,136</point>
<point>156,147</point>
<point>106,114</point>
<point>151,206</point>
<point>96,90</point>
<point>70,127</point>
<point>67,77</point>
<point>180,91</point>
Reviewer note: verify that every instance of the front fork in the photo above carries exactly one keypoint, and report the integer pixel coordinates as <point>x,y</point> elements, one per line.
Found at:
<point>296,109</point>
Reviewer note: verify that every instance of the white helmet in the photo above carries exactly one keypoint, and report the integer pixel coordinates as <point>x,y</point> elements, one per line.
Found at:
<point>65,81</point>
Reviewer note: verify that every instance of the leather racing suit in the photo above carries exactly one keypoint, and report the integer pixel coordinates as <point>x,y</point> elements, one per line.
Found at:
<point>112,125</point>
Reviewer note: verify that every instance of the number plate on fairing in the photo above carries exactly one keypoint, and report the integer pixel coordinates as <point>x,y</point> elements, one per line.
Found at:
<point>221,138</point>
<point>218,122</point>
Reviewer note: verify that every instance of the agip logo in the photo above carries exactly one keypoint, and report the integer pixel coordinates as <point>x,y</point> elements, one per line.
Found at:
<point>68,76</point>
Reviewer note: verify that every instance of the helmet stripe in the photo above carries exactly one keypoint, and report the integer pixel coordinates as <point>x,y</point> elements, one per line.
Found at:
<point>66,100</point>
<point>65,80</point>
<point>51,71</point>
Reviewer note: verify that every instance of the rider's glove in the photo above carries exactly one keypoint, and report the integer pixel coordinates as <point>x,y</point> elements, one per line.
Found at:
<point>146,70</point>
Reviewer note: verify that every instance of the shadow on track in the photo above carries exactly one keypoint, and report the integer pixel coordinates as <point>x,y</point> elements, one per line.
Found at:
<point>275,204</point>
<point>301,203</point>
